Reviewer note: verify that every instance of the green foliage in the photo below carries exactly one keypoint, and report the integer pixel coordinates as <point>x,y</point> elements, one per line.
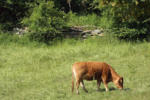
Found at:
<point>132,15</point>
<point>107,20</point>
<point>12,12</point>
<point>78,6</point>
<point>45,22</point>
<point>91,20</point>
<point>83,20</point>
<point>130,34</point>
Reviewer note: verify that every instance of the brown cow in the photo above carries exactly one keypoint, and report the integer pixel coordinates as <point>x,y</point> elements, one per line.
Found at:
<point>99,71</point>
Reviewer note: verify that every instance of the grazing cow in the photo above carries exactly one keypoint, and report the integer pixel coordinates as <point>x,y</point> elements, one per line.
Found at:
<point>99,71</point>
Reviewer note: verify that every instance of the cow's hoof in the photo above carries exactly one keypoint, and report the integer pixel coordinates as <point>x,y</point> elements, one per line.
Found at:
<point>78,93</point>
<point>107,90</point>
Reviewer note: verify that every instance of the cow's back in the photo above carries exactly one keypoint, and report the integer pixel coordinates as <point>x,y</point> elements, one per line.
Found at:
<point>88,70</point>
<point>88,66</point>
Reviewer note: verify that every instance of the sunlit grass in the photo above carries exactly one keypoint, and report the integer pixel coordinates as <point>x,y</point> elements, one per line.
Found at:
<point>90,21</point>
<point>84,20</point>
<point>44,72</point>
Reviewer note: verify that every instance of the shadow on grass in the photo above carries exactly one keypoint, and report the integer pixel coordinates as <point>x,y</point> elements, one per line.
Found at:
<point>113,89</point>
<point>127,89</point>
<point>110,89</point>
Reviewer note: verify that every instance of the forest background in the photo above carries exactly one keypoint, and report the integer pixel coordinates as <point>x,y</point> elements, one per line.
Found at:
<point>46,19</point>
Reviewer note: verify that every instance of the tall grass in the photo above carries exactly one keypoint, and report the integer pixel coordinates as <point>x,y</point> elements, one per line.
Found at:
<point>44,72</point>
<point>90,20</point>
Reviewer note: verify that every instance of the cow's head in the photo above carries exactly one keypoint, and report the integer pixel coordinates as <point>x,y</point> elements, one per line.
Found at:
<point>119,83</point>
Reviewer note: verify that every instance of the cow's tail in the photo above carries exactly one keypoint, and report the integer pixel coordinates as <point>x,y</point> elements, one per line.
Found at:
<point>72,81</point>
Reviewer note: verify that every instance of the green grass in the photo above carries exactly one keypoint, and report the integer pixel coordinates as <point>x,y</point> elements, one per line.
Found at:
<point>90,21</point>
<point>44,72</point>
<point>83,20</point>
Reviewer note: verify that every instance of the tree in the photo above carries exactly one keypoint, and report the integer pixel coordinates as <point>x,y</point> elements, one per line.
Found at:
<point>131,14</point>
<point>45,22</point>
<point>69,3</point>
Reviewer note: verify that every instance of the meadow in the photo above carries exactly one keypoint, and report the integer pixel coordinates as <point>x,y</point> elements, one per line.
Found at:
<point>42,72</point>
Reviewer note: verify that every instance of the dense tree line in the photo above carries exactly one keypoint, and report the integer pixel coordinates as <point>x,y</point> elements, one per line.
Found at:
<point>131,17</point>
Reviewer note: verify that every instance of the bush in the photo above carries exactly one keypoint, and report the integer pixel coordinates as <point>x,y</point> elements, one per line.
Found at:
<point>130,33</point>
<point>45,22</point>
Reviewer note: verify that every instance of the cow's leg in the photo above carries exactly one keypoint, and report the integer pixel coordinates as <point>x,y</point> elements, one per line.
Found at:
<point>77,85</point>
<point>105,84</point>
<point>82,85</point>
<point>98,84</point>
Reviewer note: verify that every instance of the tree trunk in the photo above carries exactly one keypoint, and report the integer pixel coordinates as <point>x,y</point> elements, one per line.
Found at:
<point>69,3</point>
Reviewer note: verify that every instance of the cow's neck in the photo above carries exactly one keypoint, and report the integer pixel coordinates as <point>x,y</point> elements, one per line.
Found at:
<point>115,76</point>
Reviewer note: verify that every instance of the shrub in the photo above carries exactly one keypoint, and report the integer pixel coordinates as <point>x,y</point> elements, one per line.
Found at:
<point>130,33</point>
<point>45,22</point>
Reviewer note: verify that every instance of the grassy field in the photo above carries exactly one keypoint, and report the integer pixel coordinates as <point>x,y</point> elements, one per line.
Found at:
<point>33,72</point>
